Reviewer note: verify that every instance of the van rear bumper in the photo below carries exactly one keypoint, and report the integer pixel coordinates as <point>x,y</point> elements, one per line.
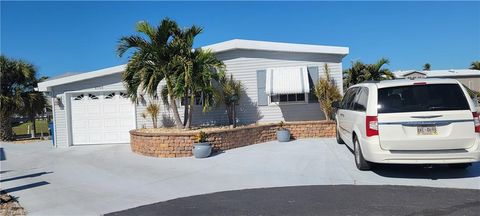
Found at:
<point>374,153</point>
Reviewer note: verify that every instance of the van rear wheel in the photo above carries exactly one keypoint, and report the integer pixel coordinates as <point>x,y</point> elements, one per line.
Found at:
<point>459,166</point>
<point>360,161</point>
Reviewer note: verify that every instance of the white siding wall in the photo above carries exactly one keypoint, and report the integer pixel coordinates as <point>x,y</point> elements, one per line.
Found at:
<point>243,64</point>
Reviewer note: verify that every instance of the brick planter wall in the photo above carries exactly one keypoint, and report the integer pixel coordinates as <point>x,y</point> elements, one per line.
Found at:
<point>180,144</point>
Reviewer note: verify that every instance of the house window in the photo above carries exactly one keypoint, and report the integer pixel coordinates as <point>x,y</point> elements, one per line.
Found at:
<point>110,96</point>
<point>92,96</point>
<point>79,97</point>
<point>123,95</point>
<point>289,98</point>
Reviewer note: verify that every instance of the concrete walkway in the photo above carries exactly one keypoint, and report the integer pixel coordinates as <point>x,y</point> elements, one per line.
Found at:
<point>93,180</point>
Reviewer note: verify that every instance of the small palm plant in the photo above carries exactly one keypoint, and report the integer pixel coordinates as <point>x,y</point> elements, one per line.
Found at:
<point>327,92</point>
<point>201,137</point>
<point>229,93</point>
<point>153,109</point>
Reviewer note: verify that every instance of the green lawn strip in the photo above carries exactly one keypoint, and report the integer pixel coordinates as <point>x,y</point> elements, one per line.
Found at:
<point>22,129</point>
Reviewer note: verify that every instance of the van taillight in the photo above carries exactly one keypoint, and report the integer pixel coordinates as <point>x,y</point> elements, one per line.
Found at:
<point>372,126</point>
<point>476,121</point>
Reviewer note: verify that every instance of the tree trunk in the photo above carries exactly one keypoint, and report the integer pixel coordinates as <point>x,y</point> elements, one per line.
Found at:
<point>327,115</point>
<point>6,133</point>
<point>32,119</point>
<point>154,122</point>
<point>185,105</point>
<point>229,114</point>
<point>234,116</point>
<point>190,113</point>
<point>176,115</point>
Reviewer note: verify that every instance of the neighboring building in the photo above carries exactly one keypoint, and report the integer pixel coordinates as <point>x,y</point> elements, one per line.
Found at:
<point>92,107</point>
<point>470,78</point>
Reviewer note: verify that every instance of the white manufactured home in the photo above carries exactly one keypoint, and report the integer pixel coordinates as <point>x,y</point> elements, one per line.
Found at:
<point>278,79</point>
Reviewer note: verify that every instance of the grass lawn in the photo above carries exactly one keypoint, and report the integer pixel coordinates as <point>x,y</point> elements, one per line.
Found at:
<point>22,129</point>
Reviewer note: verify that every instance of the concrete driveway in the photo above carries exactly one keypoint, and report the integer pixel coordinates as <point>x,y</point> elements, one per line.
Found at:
<point>93,180</point>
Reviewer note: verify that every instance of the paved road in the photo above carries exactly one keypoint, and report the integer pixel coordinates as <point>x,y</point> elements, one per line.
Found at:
<point>322,200</point>
<point>93,180</point>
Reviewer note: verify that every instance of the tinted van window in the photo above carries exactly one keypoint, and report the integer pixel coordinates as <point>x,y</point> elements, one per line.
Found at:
<point>348,98</point>
<point>418,98</point>
<point>361,100</point>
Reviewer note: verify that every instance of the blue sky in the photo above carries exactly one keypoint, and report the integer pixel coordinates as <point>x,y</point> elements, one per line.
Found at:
<point>61,37</point>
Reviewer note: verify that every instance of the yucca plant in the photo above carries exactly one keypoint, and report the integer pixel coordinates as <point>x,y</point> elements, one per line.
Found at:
<point>327,92</point>
<point>153,110</point>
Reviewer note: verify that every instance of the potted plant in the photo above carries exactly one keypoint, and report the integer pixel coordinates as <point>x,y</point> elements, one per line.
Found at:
<point>201,148</point>
<point>283,134</point>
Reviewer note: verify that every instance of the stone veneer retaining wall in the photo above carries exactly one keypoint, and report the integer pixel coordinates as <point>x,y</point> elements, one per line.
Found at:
<point>171,145</point>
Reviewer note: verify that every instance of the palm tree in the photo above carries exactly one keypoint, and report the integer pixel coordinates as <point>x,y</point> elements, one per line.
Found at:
<point>327,92</point>
<point>151,62</point>
<point>34,102</point>
<point>360,72</point>
<point>229,93</point>
<point>354,74</point>
<point>376,72</point>
<point>475,65</point>
<point>201,68</point>
<point>181,48</point>
<point>426,67</point>
<point>17,84</point>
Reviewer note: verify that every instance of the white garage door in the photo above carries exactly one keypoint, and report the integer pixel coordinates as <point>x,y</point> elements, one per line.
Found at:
<point>101,118</point>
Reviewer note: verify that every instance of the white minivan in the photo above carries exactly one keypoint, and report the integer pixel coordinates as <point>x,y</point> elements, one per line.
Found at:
<point>428,121</point>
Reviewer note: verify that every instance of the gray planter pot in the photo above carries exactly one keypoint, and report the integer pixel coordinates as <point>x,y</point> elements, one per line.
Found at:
<point>202,150</point>
<point>283,135</point>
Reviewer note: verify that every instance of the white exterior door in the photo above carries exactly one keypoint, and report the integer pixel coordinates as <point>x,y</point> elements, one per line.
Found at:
<point>101,118</point>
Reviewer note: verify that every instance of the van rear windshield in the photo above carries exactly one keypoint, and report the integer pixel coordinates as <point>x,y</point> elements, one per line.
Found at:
<point>417,98</point>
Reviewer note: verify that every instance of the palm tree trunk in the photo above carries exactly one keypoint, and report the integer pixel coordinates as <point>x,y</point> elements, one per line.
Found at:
<point>190,113</point>
<point>6,133</point>
<point>185,111</point>
<point>234,116</point>
<point>176,115</point>
<point>32,119</point>
<point>229,114</point>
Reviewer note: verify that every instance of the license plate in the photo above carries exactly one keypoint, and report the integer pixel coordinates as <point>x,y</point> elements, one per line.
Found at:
<point>427,130</point>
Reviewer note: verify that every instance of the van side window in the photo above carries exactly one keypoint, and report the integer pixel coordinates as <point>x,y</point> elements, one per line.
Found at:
<point>348,98</point>
<point>361,100</point>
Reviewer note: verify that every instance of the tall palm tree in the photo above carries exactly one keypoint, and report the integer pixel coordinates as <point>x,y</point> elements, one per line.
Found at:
<point>229,93</point>
<point>17,84</point>
<point>475,65</point>
<point>151,61</point>
<point>34,102</point>
<point>426,67</point>
<point>203,67</point>
<point>182,49</point>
